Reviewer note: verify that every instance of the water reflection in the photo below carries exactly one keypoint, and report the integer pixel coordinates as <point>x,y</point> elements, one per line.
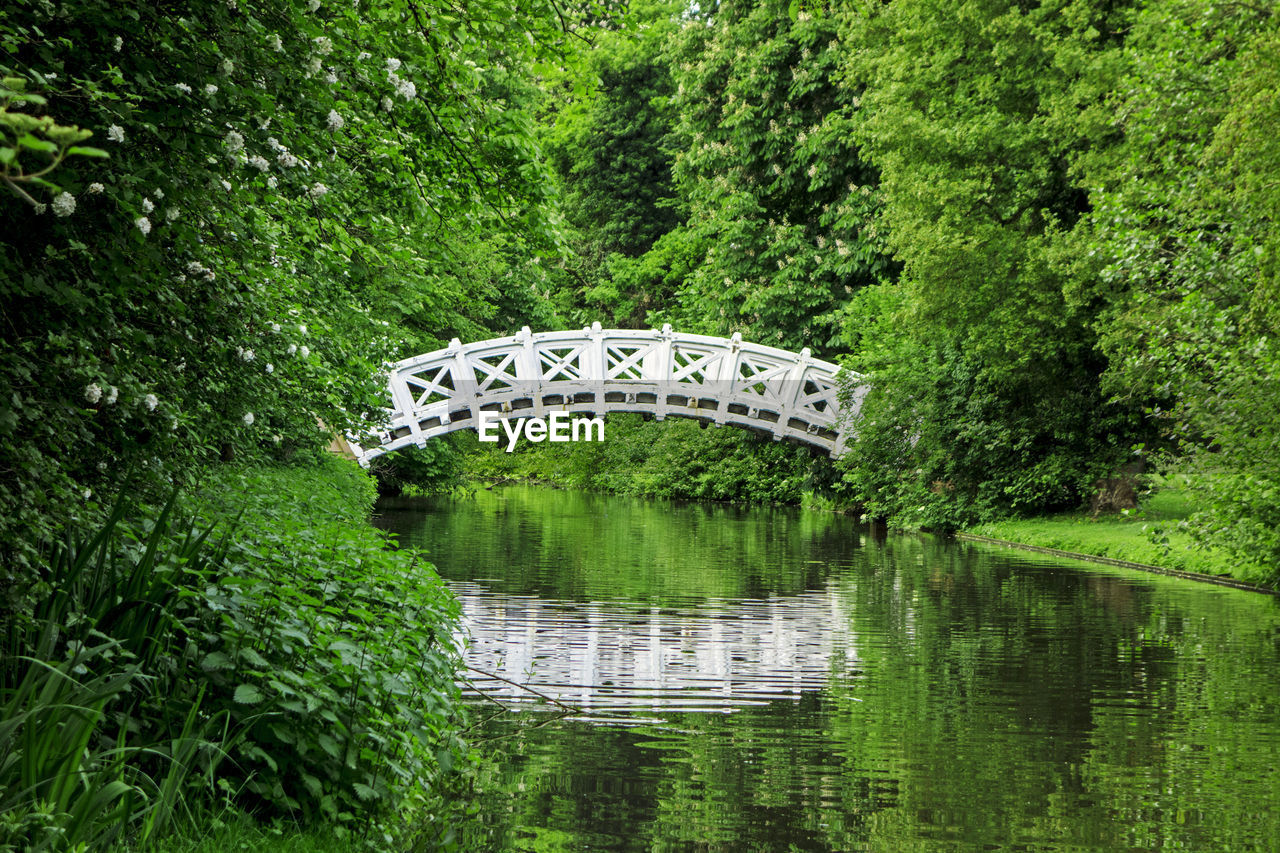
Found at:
<point>901,694</point>
<point>721,656</point>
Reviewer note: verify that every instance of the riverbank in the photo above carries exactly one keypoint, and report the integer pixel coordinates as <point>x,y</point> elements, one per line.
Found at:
<point>1155,536</point>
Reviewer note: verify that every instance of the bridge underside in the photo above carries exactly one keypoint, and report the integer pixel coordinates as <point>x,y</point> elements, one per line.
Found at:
<point>786,395</point>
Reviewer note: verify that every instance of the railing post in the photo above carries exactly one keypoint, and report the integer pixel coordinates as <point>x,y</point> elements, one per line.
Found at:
<point>597,363</point>
<point>664,369</point>
<point>728,377</point>
<point>792,385</point>
<point>464,381</point>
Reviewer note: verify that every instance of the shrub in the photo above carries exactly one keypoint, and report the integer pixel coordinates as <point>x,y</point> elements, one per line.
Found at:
<point>295,661</point>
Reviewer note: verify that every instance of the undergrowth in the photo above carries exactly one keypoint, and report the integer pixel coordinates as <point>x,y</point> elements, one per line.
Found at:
<point>267,654</point>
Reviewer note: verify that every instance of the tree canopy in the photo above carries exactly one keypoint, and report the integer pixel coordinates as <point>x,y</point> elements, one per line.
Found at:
<point>1044,232</point>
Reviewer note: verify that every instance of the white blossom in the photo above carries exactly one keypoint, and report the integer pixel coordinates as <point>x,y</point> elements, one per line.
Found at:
<point>336,121</point>
<point>259,162</point>
<point>150,401</point>
<point>248,418</point>
<point>313,6</point>
<point>293,348</point>
<point>226,185</point>
<point>284,158</point>
<point>64,204</point>
<point>317,190</point>
<point>95,188</point>
<point>245,354</point>
<point>363,55</point>
<point>158,193</point>
<point>386,103</point>
<point>93,392</point>
<point>41,208</point>
<point>210,89</point>
<point>271,368</point>
<point>313,65</point>
<point>112,393</point>
<point>88,493</point>
<point>271,181</point>
<point>302,329</point>
<point>102,466</point>
<point>147,206</point>
<point>171,213</point>
<point>119,43</point>
<point>406,89</point>
<point>228,66</point>
<point>144,224</point>
<point>275,328</point>
<point>304,351</point>
<point>115,133</point>
<point>393,64</point>
<point>183,88</point>
<point>331,78</point>
<point>233,141</point>
<point>324,46</point>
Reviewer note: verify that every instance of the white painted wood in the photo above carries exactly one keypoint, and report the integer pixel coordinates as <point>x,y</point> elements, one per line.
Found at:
<point>662,373</point>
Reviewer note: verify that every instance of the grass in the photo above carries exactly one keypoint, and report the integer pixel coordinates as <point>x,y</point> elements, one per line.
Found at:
<point>1155,534</point>
<point>243,833</point>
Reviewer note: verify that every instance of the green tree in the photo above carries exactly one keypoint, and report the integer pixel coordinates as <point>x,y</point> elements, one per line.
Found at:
<point>985,392</point>
<point>778,232</point>
<point>1182,253</point>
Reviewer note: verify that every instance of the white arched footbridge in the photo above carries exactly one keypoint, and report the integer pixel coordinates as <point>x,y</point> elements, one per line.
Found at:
<point>662,373</point>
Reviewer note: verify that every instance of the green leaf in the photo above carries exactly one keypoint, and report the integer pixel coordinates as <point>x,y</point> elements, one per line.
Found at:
<point>87,151</point>
<point>29,141</point>
<point>215,661</point>
<point>248,694</point>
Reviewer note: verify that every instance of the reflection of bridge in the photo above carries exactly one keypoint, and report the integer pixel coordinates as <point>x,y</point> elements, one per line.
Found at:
<point>720,380</point>
<point>604,656</point>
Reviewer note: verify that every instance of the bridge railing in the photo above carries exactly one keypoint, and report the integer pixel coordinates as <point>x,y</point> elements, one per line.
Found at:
<point>593,370</point>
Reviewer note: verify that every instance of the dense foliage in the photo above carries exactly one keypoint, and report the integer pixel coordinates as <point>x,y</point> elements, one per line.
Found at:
<point>676,458</point>
<point>295,193</point>
<point>1043,232</point>
<point>276,652</point>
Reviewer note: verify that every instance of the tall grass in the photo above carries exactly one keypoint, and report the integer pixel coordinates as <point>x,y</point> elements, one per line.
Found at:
<point>87,678</point>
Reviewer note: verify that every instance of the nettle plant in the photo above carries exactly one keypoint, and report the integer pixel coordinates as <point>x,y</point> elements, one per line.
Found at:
<point>284,180</point>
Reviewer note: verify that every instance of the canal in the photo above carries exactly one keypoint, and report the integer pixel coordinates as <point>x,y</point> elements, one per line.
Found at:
<point>773,679</point>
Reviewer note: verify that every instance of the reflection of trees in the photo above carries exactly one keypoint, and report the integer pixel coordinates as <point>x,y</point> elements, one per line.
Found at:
<point>585,546</point>
<point>993,700</point>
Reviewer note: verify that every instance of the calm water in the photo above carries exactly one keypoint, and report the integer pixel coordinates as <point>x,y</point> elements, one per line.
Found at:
<point>779,680</point>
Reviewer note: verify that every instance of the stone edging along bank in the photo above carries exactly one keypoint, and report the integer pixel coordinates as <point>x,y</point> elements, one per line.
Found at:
<point>1124,564</point>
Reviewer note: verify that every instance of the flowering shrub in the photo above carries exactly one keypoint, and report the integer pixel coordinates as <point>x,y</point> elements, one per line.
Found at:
<point>286,195</point>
